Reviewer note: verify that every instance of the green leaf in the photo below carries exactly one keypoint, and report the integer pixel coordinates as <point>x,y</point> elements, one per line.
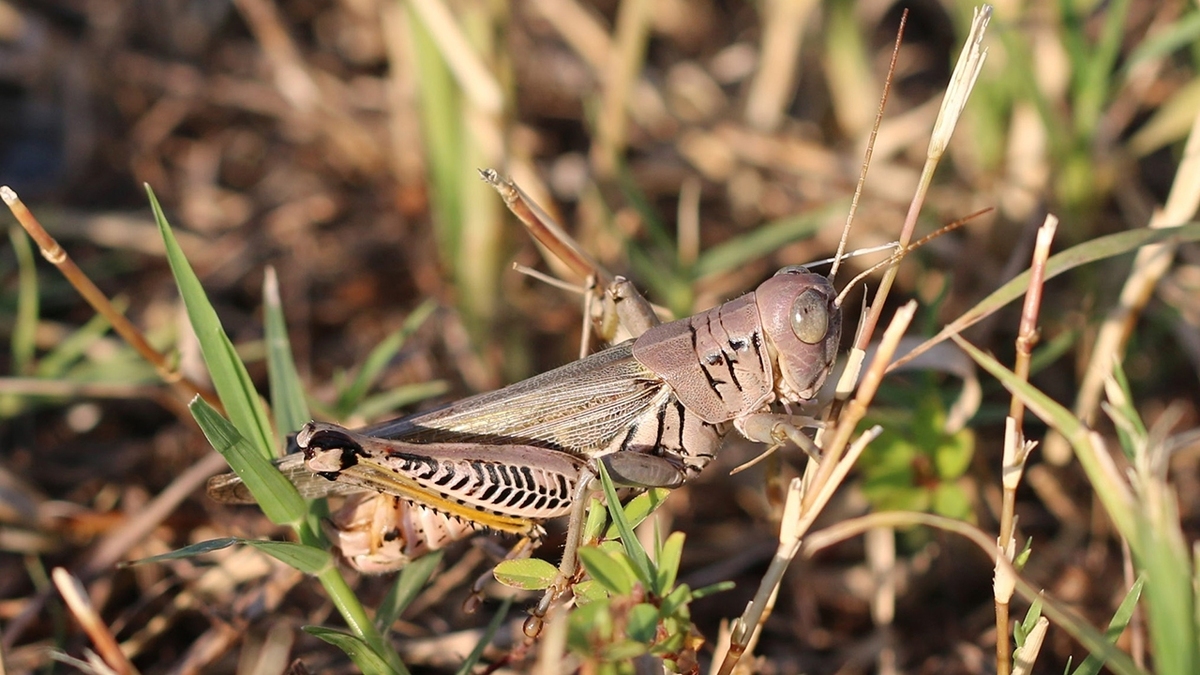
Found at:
<point>1022,629</point>
<point>359,652</point>
<point>952,456</point>
<point>642,623</point>
<point>606,570</point>
<point>412,579</point>
<point>719,587</point>
<point>633,548</point>
<point>307,559</point>
<point>191,551</point>
<point>952,501</point>
<point>669,555</point>
<point>527,574</point>
<point>589,624</point>
<point>1023,557</point>
<point>275,494</point>
<point>589,590</point>
<point>597,517</point>
<point>1121,618</point>
<point>639,509</point>
<point>676,600</point>
<point>228,373</point>
<point>287,393</point>
<point>623,650</point>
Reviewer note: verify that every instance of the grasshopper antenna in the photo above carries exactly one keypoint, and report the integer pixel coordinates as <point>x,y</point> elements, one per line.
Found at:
<point>862,174</point>
<point>901,252</point>
<point>893,246</point>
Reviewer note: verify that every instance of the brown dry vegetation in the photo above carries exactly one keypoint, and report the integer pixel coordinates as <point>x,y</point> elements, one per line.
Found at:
<point>303,134</point>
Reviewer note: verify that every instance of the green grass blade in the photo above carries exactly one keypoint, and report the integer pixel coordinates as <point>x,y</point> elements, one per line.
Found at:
<point>639,509</point>
<point>1097,249</point>
<point>287,394</point>
<point>410,582</point>
<point>642,566</point>
<point>228,373</point>
<point>368,662</point>
<point>1096,80</point>
<point>1121,618</point>
<point>67,352</point>
<point>763,241</point>
<point>307,559</point>
<point>277,497</point>
<point>1107,484</point>
<point>486,639</point>
<point>386,403</point>
<point>197,549</point>
<point>1181,34</point>
<point>22,345</point>
<point>379,358</point>
<point>1161,554</point>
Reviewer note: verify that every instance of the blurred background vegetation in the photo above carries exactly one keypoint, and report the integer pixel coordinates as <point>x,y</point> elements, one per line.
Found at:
<point>693,145</point>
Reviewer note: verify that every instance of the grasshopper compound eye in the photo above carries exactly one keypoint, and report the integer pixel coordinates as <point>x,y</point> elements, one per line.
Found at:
<point>810,317</point>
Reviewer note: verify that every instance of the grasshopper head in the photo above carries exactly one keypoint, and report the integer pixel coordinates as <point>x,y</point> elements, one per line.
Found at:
<point>803,324</point>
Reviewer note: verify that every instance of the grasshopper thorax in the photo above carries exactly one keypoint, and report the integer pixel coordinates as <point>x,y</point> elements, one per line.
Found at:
<point>802,322</point>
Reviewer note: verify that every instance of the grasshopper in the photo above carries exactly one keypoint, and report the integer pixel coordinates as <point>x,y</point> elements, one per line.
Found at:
<point>653,409</point>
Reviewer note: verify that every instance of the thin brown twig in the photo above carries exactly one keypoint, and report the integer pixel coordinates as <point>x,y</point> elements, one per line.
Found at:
<point>1016,450</point>
<point>53,252</point>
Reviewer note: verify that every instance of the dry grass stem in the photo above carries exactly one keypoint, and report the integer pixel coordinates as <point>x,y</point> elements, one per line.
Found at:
<point>1026,656</point>
<point>783,23</point>
<point>966,71</point>
<point>75,595</point>
<point>474,77</point>
<point>1016,449</point>
<point>57,256</point>
<point>1027,332</point>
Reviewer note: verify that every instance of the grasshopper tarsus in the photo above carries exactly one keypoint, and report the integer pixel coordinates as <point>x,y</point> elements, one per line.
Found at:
<point>532,627</point>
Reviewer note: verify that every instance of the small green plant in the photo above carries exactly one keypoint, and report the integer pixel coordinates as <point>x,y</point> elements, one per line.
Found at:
<point>915,464</point>
<point>630,606</point>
